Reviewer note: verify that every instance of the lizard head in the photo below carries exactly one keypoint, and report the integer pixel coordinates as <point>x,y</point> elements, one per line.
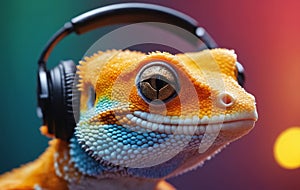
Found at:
<point>157,115</point>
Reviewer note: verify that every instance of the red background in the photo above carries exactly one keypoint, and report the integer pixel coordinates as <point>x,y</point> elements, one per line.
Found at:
<point>265,35</point>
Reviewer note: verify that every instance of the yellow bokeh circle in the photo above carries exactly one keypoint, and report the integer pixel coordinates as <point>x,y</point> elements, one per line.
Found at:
<point>287,148</point>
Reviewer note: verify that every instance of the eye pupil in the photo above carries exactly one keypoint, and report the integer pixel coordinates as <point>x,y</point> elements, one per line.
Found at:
<point>157,81</point>
<point>158,87</point>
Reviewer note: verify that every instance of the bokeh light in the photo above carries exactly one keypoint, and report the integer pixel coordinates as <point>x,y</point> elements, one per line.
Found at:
<point>287,148</point>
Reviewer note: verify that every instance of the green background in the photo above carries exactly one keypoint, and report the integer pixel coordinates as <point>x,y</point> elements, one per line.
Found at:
<point>26,27</point>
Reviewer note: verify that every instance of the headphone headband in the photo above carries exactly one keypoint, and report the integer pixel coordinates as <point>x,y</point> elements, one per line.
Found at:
<point>125,13</point>
<point>131,13</point>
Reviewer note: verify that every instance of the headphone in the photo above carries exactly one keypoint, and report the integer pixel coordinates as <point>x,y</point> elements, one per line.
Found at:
<point>55,86</point>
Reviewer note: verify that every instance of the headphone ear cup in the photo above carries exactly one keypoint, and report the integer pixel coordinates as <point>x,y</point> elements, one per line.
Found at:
<point>240,74</point>
<point>61,120</point>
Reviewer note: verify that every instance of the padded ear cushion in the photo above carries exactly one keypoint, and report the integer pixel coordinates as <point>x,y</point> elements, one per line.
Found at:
<point>62,121</point>
<point>240,74</point>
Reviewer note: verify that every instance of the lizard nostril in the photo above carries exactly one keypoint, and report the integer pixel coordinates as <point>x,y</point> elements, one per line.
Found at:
<point>225,100</point>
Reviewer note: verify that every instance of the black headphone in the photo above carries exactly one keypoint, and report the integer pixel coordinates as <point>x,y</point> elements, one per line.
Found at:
<point>55,87</point>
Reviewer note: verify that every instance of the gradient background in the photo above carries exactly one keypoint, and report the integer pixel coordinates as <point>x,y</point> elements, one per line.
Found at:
<point>265,35</point>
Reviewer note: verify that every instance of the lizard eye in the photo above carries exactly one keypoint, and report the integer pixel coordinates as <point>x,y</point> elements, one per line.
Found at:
<point>157,82</point>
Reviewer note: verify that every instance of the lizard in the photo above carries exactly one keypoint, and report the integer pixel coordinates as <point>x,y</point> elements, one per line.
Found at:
<point>144,117</point>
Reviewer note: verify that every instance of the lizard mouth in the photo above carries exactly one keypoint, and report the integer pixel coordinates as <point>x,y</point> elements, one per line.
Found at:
<point>144,140</point>
<point>191,125</point>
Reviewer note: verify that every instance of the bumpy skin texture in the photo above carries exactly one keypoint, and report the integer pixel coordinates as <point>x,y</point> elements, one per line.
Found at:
<point>143,118</point>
